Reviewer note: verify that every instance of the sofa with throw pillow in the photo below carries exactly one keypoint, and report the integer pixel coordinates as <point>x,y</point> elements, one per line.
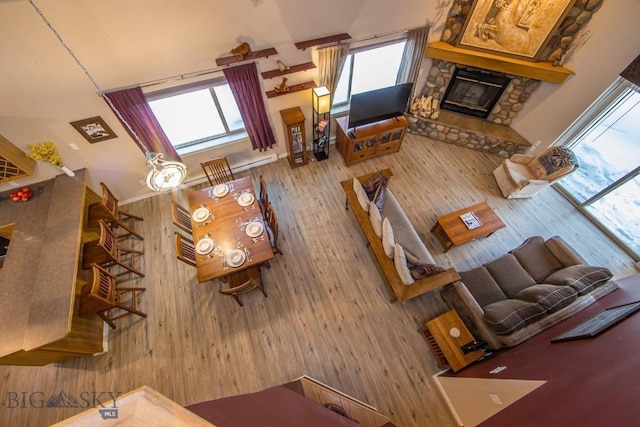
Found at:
<point>526,291</point>
<point>403,260</point>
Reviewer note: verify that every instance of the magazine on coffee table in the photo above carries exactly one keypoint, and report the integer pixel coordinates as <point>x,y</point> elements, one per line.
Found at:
<point>471,220</point>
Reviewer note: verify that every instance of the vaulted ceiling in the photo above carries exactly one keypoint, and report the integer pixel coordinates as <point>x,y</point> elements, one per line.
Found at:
<point>126,42</point>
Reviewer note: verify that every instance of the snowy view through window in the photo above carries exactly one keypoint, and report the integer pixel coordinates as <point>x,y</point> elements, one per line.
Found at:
<point>610,153</point>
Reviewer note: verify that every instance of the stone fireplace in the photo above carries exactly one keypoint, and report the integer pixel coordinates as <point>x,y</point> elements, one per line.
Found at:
<point>483,121</point>
<point>484,128</point>
<point>474,92</point>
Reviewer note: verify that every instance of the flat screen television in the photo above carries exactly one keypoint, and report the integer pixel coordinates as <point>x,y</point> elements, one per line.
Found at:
<point>598,323</point>
<point>379,104</point>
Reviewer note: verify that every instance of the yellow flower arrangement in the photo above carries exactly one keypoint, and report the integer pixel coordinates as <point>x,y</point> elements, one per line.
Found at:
<point>47,152</point>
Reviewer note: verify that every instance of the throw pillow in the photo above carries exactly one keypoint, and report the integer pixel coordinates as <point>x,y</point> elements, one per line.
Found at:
<point>361,194</point>
<point>380,196</point>
<point>557,158</point>
<point>371,185</point>
<point>412,258</point>
<point>388,241</point>
<point>421,271</point>
<point>400,262</point>
<point>376,219</point>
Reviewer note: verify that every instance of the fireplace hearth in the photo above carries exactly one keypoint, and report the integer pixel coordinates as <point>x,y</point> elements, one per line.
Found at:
<point>474,93</point>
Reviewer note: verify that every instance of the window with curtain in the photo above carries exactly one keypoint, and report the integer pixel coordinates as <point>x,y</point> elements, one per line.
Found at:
<point>198,115</point>
<point>606,186</point>
<point>370,68</point>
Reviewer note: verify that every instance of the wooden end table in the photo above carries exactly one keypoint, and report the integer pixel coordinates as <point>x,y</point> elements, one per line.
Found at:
<point>445,336</point>
<point>452,231</point>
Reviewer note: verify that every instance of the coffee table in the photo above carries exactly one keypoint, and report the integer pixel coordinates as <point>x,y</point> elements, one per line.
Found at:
<point>452,230</point>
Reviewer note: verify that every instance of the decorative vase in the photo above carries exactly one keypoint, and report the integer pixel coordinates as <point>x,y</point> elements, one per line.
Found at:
<point>67,171</point>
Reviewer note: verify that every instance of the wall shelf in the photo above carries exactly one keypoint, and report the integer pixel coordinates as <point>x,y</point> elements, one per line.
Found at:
<point>322,40</point>
<point>292,89</point>
<point>264,53</point>
<point>293,69</point>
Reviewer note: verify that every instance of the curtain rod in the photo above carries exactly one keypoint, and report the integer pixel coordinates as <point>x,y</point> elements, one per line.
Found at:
<point>217,69</point>
<point>181,77</point>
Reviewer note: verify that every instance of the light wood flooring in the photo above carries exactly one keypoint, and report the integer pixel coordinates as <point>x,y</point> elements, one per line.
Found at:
<point>327,314</point>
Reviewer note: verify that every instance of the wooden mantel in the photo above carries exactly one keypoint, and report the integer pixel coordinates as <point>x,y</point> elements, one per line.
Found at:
<point>544,71</point>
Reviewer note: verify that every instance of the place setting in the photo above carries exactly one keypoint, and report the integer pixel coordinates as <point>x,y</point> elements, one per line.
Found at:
<point>202,215</point>
<point>243,223</point>
<point>255,229</point>
<point>219,191</point>
<point>246,199</point>
<point>205,247</point>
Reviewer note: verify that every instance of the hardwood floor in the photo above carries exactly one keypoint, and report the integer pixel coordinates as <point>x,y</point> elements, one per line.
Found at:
<point>327,313</point>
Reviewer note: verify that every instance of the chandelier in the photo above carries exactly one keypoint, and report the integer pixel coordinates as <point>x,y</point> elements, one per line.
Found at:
<point>164,174</point>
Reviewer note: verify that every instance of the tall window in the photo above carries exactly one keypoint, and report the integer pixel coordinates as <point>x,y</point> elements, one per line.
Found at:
<point>606,186</point>
<point>203,113</point>
<point>370,69</point>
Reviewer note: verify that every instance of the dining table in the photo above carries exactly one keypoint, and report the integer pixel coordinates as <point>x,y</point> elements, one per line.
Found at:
<point>229,232</point>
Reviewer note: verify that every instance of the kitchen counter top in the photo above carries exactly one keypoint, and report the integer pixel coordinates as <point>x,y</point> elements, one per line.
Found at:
<point>38,281</point>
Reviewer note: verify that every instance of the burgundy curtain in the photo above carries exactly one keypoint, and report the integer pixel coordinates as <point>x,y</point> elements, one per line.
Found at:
<point>133,111</point>
<point>246,90</point>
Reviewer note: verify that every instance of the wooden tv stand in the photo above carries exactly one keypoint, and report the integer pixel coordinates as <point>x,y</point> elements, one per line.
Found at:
<point>372,140</point>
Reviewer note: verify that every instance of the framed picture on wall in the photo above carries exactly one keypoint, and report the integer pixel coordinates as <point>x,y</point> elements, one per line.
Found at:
<point>94,129</point>
<point>519,28</point>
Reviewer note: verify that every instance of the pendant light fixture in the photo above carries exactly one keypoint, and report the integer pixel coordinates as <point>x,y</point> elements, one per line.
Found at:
<point>164,174</point>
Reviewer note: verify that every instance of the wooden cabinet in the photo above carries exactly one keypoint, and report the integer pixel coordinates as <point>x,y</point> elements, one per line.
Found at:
<point>294,132</point>
<point>371,140</point>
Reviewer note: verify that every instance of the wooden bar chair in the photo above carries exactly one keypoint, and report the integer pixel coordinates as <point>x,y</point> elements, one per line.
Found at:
<point>263,196</point>
<point>272,227</point>
<point>181,217</point>
<point>106,252</point>
<point>217,170</point>
<point>102,297</point>
<point>107,211</point>
<point>243,281</point>
<point>185,250</point>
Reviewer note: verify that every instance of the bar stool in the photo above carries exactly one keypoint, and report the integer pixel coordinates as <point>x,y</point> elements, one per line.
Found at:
<point>107,211</point>
<point>102,296</point>
<point>106,252</point>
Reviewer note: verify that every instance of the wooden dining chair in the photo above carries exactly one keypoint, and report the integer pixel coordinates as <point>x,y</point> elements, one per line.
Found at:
<point>102,297</point>
<point>181,217</point>
<point>185,250</point>
<point>217,170</point>
<point>272,227</point>
<point>106,252</point>
<point>243,281</point>
<point>107,210</point>
<point>263,196</point>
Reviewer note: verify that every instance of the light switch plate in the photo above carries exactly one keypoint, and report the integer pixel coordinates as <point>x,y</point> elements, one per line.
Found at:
<point>495,399</point>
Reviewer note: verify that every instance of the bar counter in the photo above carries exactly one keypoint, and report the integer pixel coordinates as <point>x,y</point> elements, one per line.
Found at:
<point>41,278</point>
